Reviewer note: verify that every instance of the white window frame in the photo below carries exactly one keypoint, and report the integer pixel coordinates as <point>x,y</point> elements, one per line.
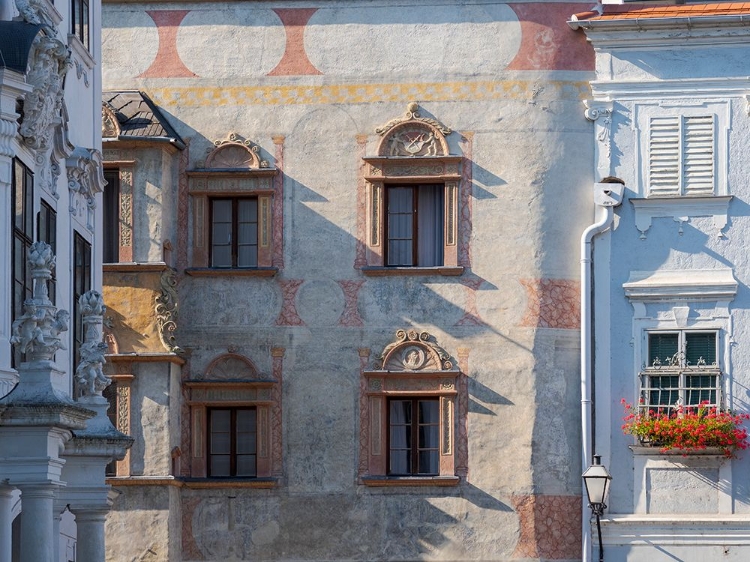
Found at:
<point>677,366</point>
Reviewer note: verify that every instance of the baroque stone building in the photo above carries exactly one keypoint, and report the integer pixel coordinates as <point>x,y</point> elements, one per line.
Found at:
<point>343,269</point>
<point>55,437</point>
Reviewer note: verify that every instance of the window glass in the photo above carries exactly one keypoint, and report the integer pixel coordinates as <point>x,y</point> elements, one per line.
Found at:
<point>234,232</point>
<point>413,447</point>
<point>232,442</point>
<point>111,218</point>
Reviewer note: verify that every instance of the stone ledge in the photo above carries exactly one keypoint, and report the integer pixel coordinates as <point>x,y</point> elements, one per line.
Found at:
<point>445,271</point>
<point>215,272</point>
<point>400,481</point>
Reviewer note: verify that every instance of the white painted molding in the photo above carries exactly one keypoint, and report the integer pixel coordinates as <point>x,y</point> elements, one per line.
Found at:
<point>687,284</point>
<point>673,529</point>
<point>681,209</point>
<point>667,88</point>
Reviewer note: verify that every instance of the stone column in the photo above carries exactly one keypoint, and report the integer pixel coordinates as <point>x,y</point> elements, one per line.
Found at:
<point>37,536</point>
<point>6,522</point>
<point>90,526</point>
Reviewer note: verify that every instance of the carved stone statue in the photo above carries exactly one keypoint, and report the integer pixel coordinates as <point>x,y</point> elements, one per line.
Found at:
<point>89,376</point>
<point>37,331</point>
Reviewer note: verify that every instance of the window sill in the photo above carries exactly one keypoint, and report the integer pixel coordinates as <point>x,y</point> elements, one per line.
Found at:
<point>217,272</point>
<point>400,481</point>
<point>444,270</point>
<point>681,208</point>
<point>81,50</point>
<point>656,451</point>
<point>213,483</point>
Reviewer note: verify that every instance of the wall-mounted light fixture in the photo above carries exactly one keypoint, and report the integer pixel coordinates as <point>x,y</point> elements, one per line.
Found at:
<point>596,478</point>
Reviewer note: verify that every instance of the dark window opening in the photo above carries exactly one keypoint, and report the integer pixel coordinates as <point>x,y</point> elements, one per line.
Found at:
<point>111,217</point>
<point>234,233</point>
<point>232,435</point>
<point>414,228</point>
<point>413,437</point>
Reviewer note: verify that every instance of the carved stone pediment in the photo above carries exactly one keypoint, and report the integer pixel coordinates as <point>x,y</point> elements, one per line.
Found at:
<point>413,136</point>
<point>415,351</point>
<point>235,152</point>
<point>231,366</point>
<point>85,180</point>
<point>110,124</point>
<point>42,106</point>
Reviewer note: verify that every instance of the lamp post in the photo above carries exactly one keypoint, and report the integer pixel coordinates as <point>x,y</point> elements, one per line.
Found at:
<point>596,479</point>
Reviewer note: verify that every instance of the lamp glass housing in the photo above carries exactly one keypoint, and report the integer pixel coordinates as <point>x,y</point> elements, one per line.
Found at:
<point>596,478</point>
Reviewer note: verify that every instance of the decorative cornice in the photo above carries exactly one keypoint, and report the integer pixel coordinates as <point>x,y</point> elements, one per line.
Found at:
<point>412,114</point>
<point>685,284</point>
<point>681,209</point>
<point>85,180</point>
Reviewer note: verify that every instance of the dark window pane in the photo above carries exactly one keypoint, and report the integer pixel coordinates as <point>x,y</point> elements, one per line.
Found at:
<point>220,465</point>
<point>701,348</point>
<point>400,462</point>
<point>662,347</point>
<point>428,462</point>
<point>221,420</point>
<point>428,411</point>
<point>400,411</point>
<point>430,225</point>
<point>246,465</point>
<point>111,217</point>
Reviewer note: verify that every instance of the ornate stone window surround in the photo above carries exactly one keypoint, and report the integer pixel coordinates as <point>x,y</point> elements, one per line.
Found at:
<point>233,168</point>
<point>413,151</point>
<point>242,391</point>
<point>413,366</point>
<point>682,207</point>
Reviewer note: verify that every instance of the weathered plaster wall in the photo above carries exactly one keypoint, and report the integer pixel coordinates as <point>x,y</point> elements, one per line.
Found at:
<point>130,299</point>
<point>319,78</point>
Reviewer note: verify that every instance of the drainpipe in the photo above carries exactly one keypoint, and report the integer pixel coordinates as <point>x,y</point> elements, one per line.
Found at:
<point>607,195</point>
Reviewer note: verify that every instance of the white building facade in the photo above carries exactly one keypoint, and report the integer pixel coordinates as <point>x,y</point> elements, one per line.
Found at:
<point>55,438</point>
<point>670,105</point>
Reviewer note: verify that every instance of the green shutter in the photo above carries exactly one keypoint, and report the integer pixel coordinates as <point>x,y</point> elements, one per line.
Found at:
<point>661,346</point>
<point>700,345</point>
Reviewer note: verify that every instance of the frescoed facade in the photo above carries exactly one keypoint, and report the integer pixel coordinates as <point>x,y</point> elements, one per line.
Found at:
<point>343,276</point>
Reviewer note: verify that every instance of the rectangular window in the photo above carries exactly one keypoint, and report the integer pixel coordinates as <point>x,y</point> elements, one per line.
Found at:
<point>22,196</point>
<point>47,232</point>
<point>111,217</point>
<point>414,229</point>
<point>414,430</point>
<point>79,20</point>
<point>232,435</point>
<point>682,370</point>
<point>81,284</point>
<point>234,233</point>
<point>682,157</point>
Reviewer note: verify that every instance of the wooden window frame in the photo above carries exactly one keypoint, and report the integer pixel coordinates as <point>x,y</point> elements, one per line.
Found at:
<point>232,439</point>
<point>414,449</point>
<point>235,232</point>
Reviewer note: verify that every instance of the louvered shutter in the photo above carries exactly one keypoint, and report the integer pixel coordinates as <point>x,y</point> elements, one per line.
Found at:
<point>662,346</point>
<point>698,155</point>
<point>700,345</point>
<point>681,155</point>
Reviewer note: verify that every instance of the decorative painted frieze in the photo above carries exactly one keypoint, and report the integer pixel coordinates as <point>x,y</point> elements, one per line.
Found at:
<point>37,332</point>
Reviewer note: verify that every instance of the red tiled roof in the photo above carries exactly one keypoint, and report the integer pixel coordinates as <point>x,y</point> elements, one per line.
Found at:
<point>649,11</point>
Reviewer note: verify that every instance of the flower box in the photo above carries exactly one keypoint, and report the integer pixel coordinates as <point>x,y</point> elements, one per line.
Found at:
<point>687,430</point>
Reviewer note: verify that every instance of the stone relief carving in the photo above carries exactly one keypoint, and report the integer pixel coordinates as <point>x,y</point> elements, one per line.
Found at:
<point>596,112</point>
<point>42,106</point>
<point>37,332</point>
<point>413,135</point>
<point>81,71</point>
<point>235,152</point>
<point>89,377</point>
<point>415,351</point>
<point>166,311</point>
<point>231,367</point>
<point>85,180</point>
<point>110,124</point>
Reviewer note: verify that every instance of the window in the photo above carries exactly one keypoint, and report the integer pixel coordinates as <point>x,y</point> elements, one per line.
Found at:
<point>232,442</point>
<point>413,416</point>
<point>415,225</point>
<point>236,217</point>
<point>411,192</point>
<point>414,429</point>
<point>682,370</point>
<point>111,218</point>
<point>81,284</point>
<point>47,232</point>
<point>234,232</point>
<point>235,422</point>
<point>23,236</point>
<point>79,20</point>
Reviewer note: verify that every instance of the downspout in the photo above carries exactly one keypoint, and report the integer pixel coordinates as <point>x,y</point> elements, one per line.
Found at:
<point>607,195</point>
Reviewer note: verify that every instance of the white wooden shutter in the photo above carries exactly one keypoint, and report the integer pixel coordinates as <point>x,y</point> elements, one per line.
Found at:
<point>698,155</point>
<point>681,155</point>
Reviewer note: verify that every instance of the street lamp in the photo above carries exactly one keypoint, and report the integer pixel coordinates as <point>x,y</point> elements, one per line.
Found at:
<point>596,479</point>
